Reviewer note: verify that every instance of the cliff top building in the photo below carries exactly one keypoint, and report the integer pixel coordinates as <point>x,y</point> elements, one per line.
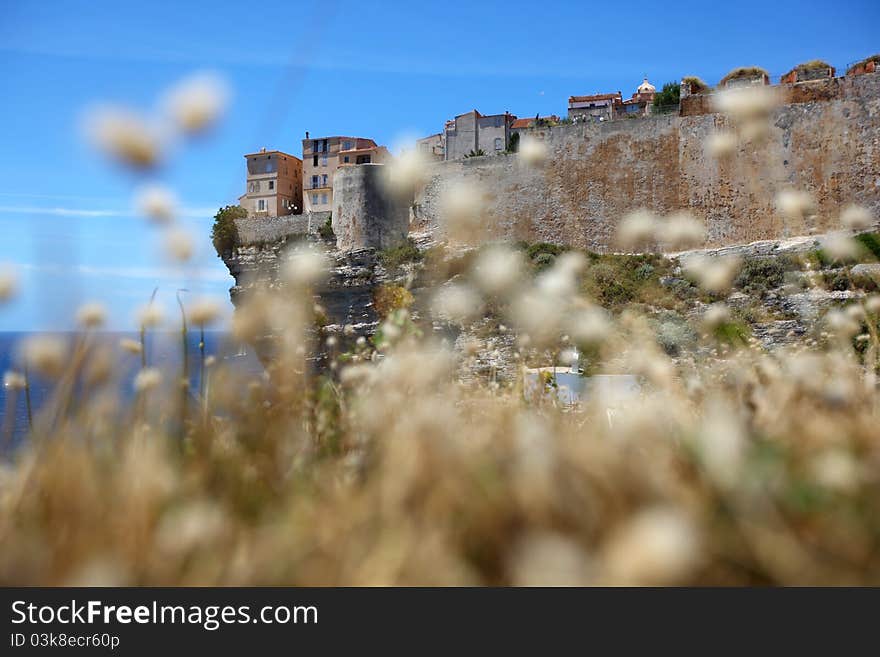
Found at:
<point>323,155</point>
<point>535,122</point>
<point>473,132</point>
<point>642,100</point>
<point>605,107</point>
<point>597,107</point>
<point>433,146</point>
<point>274,184</point>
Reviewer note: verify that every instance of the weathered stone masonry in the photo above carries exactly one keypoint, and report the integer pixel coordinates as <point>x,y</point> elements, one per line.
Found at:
<point>825,140</point>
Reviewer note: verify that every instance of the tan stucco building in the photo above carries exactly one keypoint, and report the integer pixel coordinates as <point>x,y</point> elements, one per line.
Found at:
<point>323,155</point>
<point>274,184</point>
<point>432,147</point>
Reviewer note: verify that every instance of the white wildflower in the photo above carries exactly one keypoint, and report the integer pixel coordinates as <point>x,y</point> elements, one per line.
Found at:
<point>637,229</point>
<point>91,315</point>
<point>406,173</point>
<point>588,326</point>
<point>714,274</point>
<point>856,217</point>
<point>836,469</point>
<point>682,230</point>
<point>45,354</point>
<point>841,324</point>
<point>715,315</point>
<point>156,202</point>
<point>147,379</point>
<point>125,136</point>
<point>461,208</point>
<point>549,559</point>
<point>795,204</point>
<point>532,151</point>
<point>658,546</point>
<point>204,312</point>
<point>197,102</point>
<point>14,381</point>
<point>841,247</point>
<point>150,316</point>
<point>305,267</point>
<point>746,104</point>
<point>179,244</point>
<point>457,303</point>
<point>721,144</point>
<point>131,346</point>
<point>722,442</point>
<point>8,283</point>
<point>498,269</point>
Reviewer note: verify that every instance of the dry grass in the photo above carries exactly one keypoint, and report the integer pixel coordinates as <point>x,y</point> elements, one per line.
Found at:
<point>732,465</point>
<point>698,86</point>
<point>744,72</point>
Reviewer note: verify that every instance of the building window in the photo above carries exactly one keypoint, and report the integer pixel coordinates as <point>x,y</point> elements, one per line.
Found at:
<point>345,159</point>
<point>261,205</point>
<point>257,186</point>
<point>324,180</point>
<point>315,146</point>
<point>346,145</point>
<point>362,159</point>
<point>323,160</point>
<point>323,199</point>
<point>314,182</point>
<point>499,143</point>
<point>315,161</point>
<point>314,199</point>
<point>271,185</point>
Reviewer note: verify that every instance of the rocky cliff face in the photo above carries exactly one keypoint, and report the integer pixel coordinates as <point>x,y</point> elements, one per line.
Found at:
<point>346,296</point>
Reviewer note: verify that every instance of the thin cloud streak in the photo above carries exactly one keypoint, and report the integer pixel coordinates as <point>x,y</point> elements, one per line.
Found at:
<point>187,213</point>
<point>386,65</point>
<point>136,273</point>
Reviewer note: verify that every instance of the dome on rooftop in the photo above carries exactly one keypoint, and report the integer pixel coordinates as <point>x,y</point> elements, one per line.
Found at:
<point>646,87</point>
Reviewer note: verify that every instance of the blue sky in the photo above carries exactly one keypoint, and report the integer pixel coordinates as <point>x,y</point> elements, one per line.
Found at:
<point>381,70</point>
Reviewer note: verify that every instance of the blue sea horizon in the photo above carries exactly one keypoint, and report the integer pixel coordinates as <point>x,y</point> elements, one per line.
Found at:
<point>163,348</point>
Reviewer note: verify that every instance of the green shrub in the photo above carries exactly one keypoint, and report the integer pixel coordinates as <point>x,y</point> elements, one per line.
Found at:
<point>610,288</point>
<point>733,333</point>
<point>535,250</point>
<point>870,242</point>
<point>543,261</point>
<point>645,271</point>
<point>388,298</point>
<point>326,230</point>
<point>673,333</point>
<point>668,96</point>
<point>224,234</point>
<point>513,143</point>
<point>406,251</point>
<point>761,274</point>
<point>837,281</point>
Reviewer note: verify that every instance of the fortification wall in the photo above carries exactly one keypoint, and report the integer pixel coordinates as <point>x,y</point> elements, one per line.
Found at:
<point>825,140</point>
<point>258,230</point>
<point>365,214</point>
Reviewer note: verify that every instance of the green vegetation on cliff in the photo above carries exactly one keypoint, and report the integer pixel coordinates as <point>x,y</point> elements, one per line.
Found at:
<point>224,234</point>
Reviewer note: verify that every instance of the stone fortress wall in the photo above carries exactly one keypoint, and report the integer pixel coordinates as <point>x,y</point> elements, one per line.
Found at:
<point>824,139</point>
